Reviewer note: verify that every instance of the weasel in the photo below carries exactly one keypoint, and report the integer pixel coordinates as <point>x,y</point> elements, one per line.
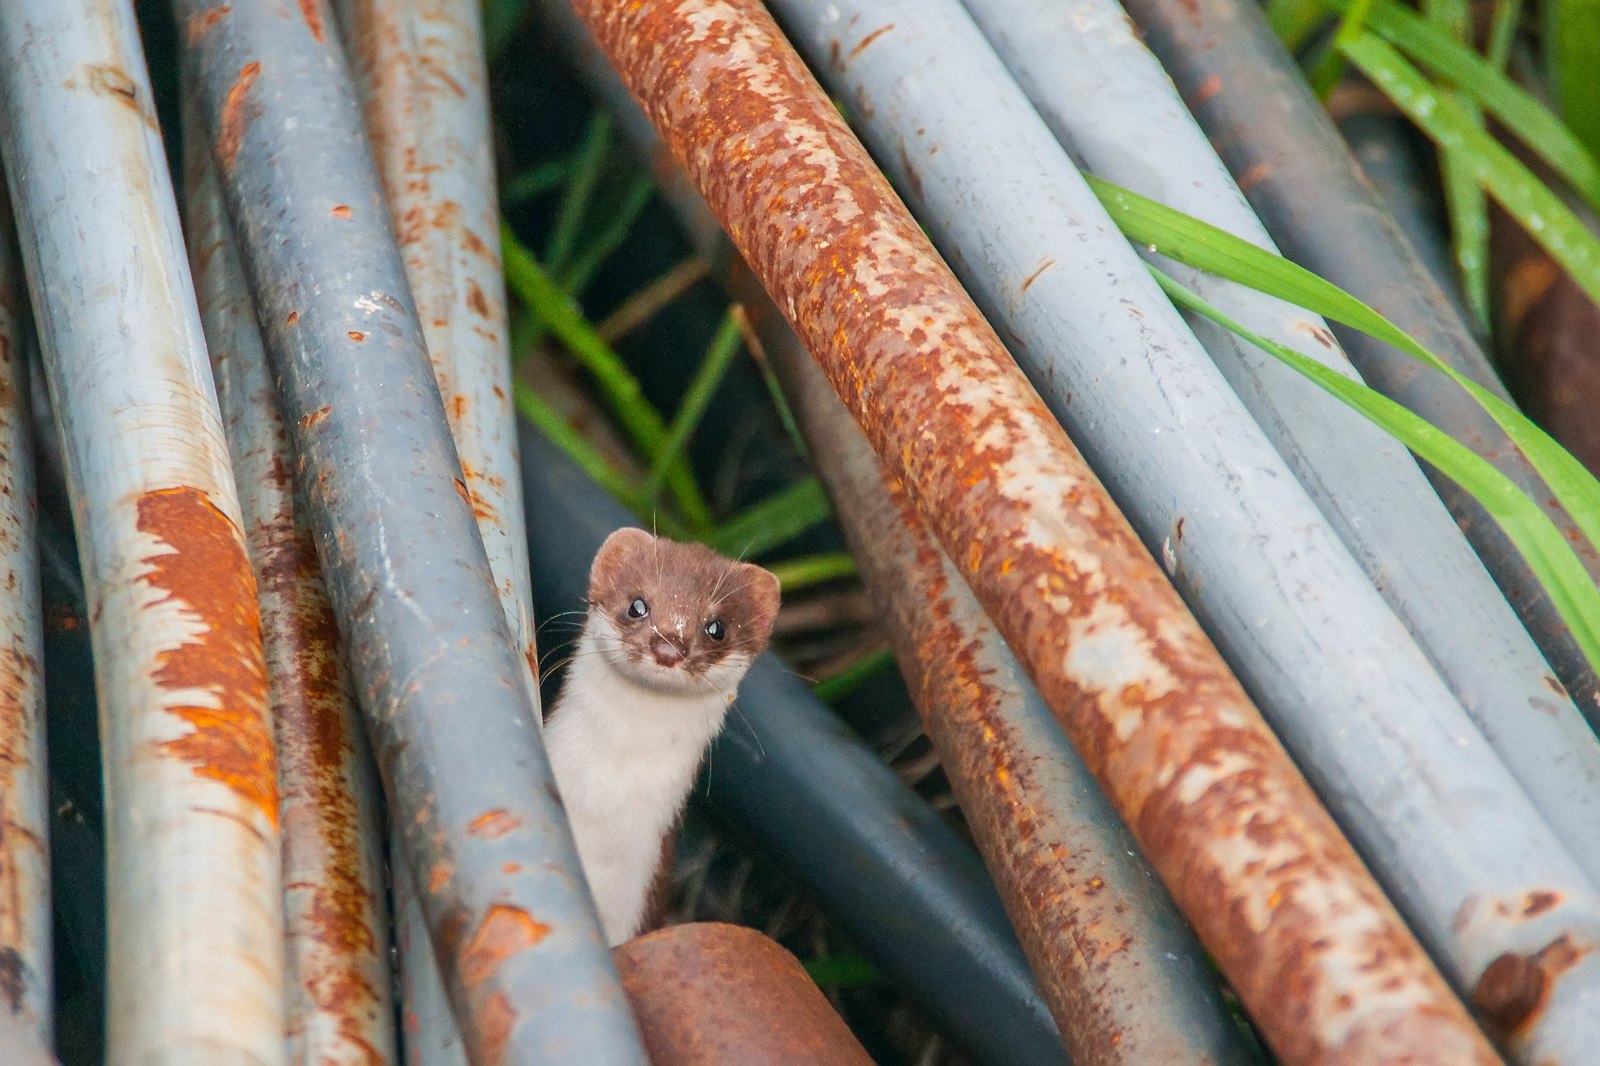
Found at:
<point>670,631</point>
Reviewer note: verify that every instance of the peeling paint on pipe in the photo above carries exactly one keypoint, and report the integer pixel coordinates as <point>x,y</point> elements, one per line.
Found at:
<point>196,953</point>
<point>339,998</point>
<point>1254,105</point>
<point>26,969</point>
<point>452,723</point>
<point>709,994</point>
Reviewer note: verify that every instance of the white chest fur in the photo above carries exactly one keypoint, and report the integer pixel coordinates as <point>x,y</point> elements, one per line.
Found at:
<point>624,758</point>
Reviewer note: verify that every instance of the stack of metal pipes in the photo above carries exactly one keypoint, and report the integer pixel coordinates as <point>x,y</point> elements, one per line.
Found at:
<point>1234,702</point>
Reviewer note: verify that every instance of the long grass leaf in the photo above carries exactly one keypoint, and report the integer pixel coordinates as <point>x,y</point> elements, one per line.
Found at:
<point>846,681</point>
<point>808,570</point>
<point>1330,68</point>
<point>1466,205</point>
<point>773,521</point>
<point>1294,21</point>
<point>585,175</point>
<point>1573,40</point>
<point>1502,32</point>
<point>588,260</point>
<point>535,181</point>
<point>1562,574</point>
<point>1205,247</point>
<point>713,368</point>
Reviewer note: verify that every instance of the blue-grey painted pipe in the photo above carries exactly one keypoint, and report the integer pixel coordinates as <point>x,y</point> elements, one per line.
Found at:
<point>454,727</point>
<point>1113,107</point>
<point>1434,811</point>
<point>792,778</point>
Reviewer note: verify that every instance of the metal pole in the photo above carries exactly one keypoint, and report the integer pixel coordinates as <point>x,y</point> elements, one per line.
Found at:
<point>26,970</point>
<point>195,912</point>
<point>1255,107</point>
<point>453,725</point>
<point>340,1006</point>
<point>1111,105</point>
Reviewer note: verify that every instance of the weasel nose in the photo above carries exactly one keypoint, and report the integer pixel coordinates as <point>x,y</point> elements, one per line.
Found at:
<point>666,652</point>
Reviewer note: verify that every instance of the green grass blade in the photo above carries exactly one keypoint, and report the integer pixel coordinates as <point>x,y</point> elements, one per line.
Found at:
<point>846,681</point>
<point>1503,32</point>
<point>588,260</point>
<point>1330,68</point>
<point>1573,593</point>
<point>1481,81</point>
<point>1575,45</point>
<point>1294,21</point>
<point>773,521</point>
<point>808,570</point>
<point>1466,205</point>
<point>714,366</point>
<point>590,159</point>
<point>1205,247</point>
<point>545,301</point>
<point>500,21</point>
<point>536,181</point>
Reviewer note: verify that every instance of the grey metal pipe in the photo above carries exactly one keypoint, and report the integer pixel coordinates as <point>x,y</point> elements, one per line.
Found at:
<point>1254,105</point>
<point>452,723</point>
<point>1124,976</point>
<point>792,778</point>
<point>340,1005</point>
<point>1111,105</point>
<point>196,952</point>
<point>26,971</point>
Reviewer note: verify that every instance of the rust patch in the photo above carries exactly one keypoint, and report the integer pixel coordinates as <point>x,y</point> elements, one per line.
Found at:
<point>206,573</point>
<point>1512,991</point>
<point>505,931</point>
<point>294,316</point>
<point>1539,902</point>
<point>201,24</point>
<point>1254,176</point>
<point>307,421</point>
<point>494,824</point>
<point>861,46</point>
<point>1042,267</point>
<point>340,211</point>
<point>476,299</point>
<point>1208,88</point>
<point>231,127</point>
<point>357,336</point>
<point>311,11</point>
<point>13,977</point>
<point>112,80</point>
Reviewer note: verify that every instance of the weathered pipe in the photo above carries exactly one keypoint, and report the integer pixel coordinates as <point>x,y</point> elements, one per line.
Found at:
<point>1124,976</point>
<point>26,972</point>
<point>709,994</point>
<point>795,781</point>
<point>339,996</point>
<point>1283,150</point>
<point>196,947</point>
<point>451,720</point>
<point>1157,716</point>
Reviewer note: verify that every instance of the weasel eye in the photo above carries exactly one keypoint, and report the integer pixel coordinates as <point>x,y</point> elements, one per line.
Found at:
<point>638,608</point>
<point>715,629</point>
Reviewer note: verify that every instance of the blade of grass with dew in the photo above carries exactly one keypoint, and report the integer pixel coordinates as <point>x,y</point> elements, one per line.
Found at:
<point>1205,247</point>
<point>1563,576</point>
<point>1483,82</point>
<point>1330,68</point>
<point>534,181</point>
<point>1465,202</point>
<point>1529,201</point>
<point>846,681</point>
<point>1572,40</point>
<point>1502,32</point>
<point>544,300</point>
<point>588,260</point>
<point>713,368</point>
<point>773,521</point>
<point>808,570</point>
<point>591,157</point>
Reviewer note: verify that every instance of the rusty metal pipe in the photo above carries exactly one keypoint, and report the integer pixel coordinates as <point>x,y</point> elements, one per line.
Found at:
<point>195,923</point>
<point>1124,976</point>
<point>339,996</point>
<point>26,971</point>
<point>1254,105</point>
<point>807,793</point>
<point>1147,701</point>
<point>1109,103</point>
<point>452,723</point>
<point>709,994</point>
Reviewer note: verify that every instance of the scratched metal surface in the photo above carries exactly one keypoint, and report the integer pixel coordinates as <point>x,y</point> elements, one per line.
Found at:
<point>1125,978</point>
<point>1248,95</point>
<point>710,994</point>
<point>26,969</point>
<point>340,1008</point>
<point>1389,748</point>
<point>1138,134</point>
<point>442,688</point>
<point>803,788</point>
<point>196,953</point>
<point>1048,555</point>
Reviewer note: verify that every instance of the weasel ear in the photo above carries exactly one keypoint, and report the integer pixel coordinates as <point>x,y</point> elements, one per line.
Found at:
<point>765,595</point>
<point>618,546</point>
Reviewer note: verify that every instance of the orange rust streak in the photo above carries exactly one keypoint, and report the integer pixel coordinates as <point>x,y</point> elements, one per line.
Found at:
<point>494,824</point>
<point>207,574</point>
<point>232,124</point>
<point>198,26</point>
<point>505,931</point>
<point>861,46</point>
<point>341,211</point>
<point>311,11</point>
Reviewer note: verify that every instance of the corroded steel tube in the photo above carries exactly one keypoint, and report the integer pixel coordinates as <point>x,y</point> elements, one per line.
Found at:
<point>195,919</point>
<point>1124,976</point>
<point>339,999</point>
<point>25,962</point>
<point>1254,105</point>
<point>709,994</point>
<point>1236,834</point>
<point>452,723</point>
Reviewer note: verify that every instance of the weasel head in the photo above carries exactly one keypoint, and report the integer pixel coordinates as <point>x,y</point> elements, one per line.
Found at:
<point>678,618</point>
